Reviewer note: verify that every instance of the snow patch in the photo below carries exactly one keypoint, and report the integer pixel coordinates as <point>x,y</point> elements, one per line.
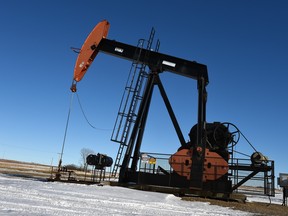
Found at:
<point>28,197</point>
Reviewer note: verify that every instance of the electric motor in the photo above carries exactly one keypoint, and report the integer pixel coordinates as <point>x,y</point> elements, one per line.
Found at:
<point>218,138</point>
<point>257,158</point>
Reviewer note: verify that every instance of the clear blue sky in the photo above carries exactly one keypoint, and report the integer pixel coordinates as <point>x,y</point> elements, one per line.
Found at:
<point>243,43</point>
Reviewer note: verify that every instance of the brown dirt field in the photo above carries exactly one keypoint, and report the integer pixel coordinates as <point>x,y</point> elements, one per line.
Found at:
<point>13,167</point>
<point>39,171</point>
<point>254,207</point>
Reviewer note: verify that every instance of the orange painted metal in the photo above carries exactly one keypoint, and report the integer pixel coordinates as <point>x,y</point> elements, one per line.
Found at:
<point>214,165</point>
<point>88,51</point>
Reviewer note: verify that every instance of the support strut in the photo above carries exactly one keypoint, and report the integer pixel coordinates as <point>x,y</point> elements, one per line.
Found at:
<point>198,155</point>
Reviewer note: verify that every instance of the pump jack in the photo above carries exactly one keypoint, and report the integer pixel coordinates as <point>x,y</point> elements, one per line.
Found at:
<point>157,63</point>
<point>198,170</point>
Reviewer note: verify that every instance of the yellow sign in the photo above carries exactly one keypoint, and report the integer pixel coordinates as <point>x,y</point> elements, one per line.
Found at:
<point>152,161</point>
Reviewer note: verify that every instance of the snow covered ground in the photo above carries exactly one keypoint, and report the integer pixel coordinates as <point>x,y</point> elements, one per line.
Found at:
<point>30,197</point>
<point>278,199</point>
